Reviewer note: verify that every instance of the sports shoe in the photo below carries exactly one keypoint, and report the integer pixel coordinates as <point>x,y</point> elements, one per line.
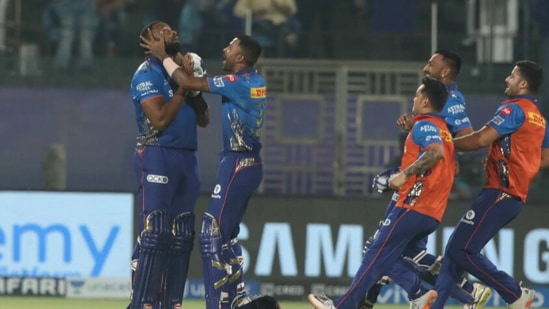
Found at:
<point>371,296</point>
<point>425,301</point>
<point>525,300</point>
<point>240,300</point>
<point>366,304</point>
<point>384,280</point>
<point>260,301</point>
<point>480,295</point>
<point>321,301</point>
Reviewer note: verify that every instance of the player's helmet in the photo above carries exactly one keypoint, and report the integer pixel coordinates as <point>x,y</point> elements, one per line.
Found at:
<point>261,302</point>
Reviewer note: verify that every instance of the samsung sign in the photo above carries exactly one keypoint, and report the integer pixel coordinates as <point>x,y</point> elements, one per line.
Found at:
<point>316,240</point>
<point>340,256</point>
<point>65,234</point>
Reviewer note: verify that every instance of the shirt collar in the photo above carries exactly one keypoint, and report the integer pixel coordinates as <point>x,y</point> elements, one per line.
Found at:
<point>250,70</point>
<point>524,96</point>
<point>452,86</point>
<point>158,63</point>
<point>436,115</point>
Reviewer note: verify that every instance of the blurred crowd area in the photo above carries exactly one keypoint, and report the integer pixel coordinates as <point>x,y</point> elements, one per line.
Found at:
<point>95,43</point>
<point>80,31</point>
<point>40,38</point>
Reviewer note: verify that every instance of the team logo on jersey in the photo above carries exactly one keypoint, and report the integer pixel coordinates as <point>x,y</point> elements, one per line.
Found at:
<point>445,135</point>
<point>498,120</point>
<point>144,86</point>
<point>468,218</point>
<point>218,81</point>
<point>432,137</point>
<point>231,78</point>
<point>157,179</point>
<point>506,111</point>
<point>470,215</point>
<point>216,191</point>
<point>458,122</point>
<point>456,109</point>
<point>536,119</point>
<point>258,93</point>
<point>428,128</point>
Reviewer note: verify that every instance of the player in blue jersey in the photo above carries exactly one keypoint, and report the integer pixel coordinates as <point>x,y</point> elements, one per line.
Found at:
<point>166,169</point>
<point>243,96</point>
<point>443,65</point>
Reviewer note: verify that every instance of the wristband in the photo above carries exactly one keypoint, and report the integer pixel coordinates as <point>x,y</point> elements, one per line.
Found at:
<point>170,65</point>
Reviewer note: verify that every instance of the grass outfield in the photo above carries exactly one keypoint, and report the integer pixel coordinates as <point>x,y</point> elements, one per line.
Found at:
<point>11,302</point>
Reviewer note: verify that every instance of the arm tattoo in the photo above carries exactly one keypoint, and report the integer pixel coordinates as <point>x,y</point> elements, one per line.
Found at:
<point>428,159</point>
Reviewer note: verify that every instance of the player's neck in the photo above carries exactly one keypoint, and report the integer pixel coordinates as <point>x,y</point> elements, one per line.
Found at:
<point>447,81</point>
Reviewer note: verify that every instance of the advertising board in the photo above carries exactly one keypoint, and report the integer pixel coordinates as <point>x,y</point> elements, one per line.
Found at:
<point>65,234</point>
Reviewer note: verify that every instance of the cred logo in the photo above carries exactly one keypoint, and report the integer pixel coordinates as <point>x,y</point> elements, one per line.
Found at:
<point>157,179</point>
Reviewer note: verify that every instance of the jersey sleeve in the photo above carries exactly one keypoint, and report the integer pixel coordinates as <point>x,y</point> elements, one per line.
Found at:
<point>507,119</point>
<point>425,133</point>
<point>146,84</point>
<point>456,115</point>
<point>225,85</point>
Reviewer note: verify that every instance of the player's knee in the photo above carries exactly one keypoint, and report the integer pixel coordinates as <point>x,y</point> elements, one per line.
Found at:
<point>156,234</point>
<point>183,232</point>
<point>457,255</point>
<point>210,236</point>
<point>236,248</point>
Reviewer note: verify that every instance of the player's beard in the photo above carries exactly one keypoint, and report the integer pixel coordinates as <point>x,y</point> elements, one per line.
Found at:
<point>172,48</point>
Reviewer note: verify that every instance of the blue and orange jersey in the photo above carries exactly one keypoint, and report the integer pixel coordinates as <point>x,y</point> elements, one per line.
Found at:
<point>243,97</point>
<point>151,80</point>
<point>514,158</point>
<point>428,192</point>
<point>454,111</point>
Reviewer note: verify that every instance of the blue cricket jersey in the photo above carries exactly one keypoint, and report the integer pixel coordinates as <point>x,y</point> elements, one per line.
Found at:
<point>425,133</point>
<point>454,112</point>
<point>151,80</point>
<point>243,97</point>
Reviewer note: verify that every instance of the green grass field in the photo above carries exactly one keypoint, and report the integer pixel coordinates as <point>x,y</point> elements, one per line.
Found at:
<point>11,302</point>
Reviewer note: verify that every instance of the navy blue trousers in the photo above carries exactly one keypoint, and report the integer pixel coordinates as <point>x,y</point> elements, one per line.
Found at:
<point>401,229</point>
<point>491,211</point>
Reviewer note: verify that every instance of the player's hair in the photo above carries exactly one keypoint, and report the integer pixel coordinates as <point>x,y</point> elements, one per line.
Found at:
<point>532,73</point>
<point>451,59</point>
<point>436,91</point>
<point>145,31</point>
<point>251,49</point>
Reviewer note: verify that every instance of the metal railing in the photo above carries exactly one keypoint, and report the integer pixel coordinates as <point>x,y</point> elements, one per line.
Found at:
<point>326,130</point>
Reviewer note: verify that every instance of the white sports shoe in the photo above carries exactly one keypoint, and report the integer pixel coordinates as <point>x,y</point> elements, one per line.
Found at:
<point>480,295</point>
<point>240,300</point>
<point>425,301</point>
<point>384,280</point>
<point>525,300</point>
<point>321,301</point>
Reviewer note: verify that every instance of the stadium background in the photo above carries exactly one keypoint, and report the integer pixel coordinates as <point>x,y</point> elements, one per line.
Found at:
<point>68,140</point>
